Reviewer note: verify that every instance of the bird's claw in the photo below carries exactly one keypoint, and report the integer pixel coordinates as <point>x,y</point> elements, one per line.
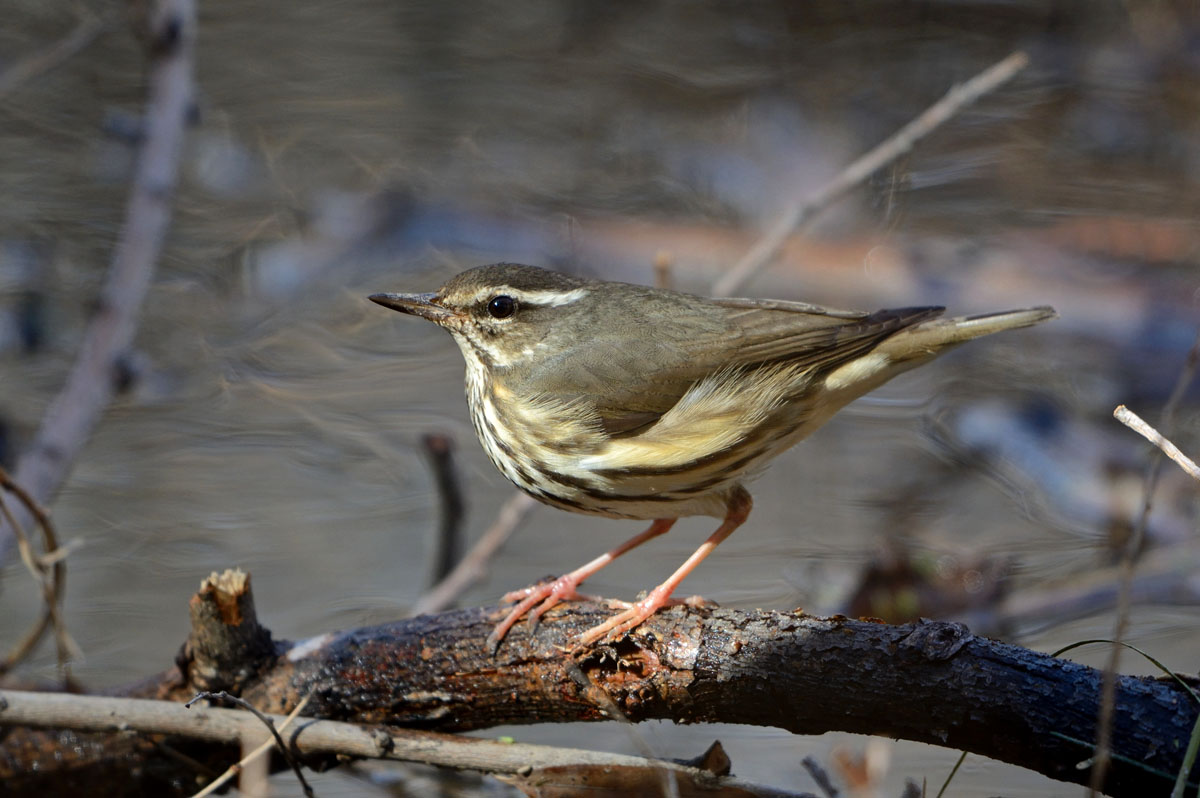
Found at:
<point>535,600</point>
<point>629,619</point>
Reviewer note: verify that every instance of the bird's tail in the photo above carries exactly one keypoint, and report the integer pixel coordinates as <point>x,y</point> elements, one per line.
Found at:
<point>932,337</point>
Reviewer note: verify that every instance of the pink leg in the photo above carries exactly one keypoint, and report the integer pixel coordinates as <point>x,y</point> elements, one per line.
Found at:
<point>551,593</point>
<point>659,597</point>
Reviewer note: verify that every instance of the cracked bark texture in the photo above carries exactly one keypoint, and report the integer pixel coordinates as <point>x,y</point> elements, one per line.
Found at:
<point>929,682</point>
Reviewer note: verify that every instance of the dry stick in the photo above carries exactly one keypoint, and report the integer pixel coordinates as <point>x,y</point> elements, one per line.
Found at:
<point>28,68</point>
<point>473,566</point>
<point>273,741</point>
<point>1135,423</point>
<point>48,570</point>
<point>102,713</point>
<point>91,385</point>
<point>1108,689</point>
<point>799,213</point>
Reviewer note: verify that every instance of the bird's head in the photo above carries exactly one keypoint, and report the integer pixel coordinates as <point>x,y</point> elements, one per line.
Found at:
<point>505,314</point>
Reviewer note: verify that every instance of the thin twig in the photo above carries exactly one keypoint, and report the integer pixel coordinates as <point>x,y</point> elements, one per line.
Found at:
<point>63,551</point>
<point>957,764</point>
<point>28,68</point>
<point>53,552</point>
<point>799,213</point>
<point>275,740</point>
<point>473,566</point>
<point>1135,423</point>
<point>820,776</point>
<point>48,570</point>
<point>1108,689</point>
<point>91,384</point>
<point>34,635</point>
<point>448,546</point>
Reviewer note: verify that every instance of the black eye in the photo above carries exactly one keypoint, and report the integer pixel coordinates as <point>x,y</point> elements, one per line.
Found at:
<point>501,307</point>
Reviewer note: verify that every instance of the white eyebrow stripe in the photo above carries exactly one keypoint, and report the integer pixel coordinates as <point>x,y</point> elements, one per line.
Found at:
<point>538,298</point>
<point>550,298</point>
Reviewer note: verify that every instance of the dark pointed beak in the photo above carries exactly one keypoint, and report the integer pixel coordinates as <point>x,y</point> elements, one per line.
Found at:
<point>415,305</point>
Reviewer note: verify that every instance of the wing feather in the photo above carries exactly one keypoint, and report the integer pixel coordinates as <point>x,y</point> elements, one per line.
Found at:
<point>635,372</point>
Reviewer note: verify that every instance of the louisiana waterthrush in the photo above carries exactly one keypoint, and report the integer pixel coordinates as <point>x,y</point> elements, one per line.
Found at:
<point>633,402</point>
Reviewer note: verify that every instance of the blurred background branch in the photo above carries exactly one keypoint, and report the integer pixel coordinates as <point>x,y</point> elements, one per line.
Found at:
<point>96,376</point>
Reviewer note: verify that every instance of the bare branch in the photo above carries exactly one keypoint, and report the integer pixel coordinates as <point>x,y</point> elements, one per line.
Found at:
<point>929,682</point>
<point>799,213</point>
<point>473,566</point>
<point>92,382</point>
<point>324,737</point>
<point>1135,423</point>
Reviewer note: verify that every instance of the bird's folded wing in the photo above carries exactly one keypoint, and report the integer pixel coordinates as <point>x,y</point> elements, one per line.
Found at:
<point>634,374</point>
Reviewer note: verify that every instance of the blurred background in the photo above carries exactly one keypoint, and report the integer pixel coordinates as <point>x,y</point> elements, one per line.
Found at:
<point>276,416</point>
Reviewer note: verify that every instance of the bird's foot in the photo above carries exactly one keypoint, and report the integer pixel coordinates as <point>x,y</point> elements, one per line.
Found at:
<point>634,615</point>
<point>535,600</point>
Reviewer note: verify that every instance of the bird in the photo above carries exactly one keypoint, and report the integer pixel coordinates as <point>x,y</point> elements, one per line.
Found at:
<point>632,402</point>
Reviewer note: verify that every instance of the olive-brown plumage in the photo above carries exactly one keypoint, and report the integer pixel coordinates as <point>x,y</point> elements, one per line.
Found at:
<point>634,402</point>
